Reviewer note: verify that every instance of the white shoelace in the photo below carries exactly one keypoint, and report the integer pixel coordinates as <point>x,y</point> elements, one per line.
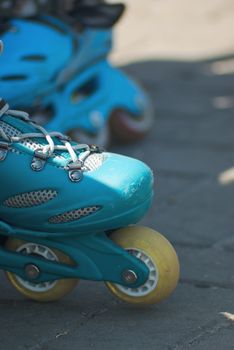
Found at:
<point>49,149</point>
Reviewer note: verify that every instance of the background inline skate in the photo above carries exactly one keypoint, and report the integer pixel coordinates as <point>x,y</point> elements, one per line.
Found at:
<point>62,75</point>
<point>67,212</point>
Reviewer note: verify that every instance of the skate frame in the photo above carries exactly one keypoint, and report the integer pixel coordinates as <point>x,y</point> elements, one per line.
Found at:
<point>95,257</point>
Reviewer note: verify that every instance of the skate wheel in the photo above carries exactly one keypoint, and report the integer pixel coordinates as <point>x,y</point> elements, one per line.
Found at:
<point>44,291</point>
<point>127,127</point>
<point>160,258</point>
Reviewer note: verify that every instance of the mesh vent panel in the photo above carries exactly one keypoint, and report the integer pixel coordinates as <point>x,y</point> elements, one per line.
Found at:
<point>73,215</point>
<point>30,199</point>
<point>94,161</point>
<point>11,131</point>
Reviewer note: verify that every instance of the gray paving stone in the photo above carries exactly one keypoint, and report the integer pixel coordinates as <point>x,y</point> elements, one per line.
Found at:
<point>182,87</point>
<point>216,339</point>
<point>203,215</point>
<point>206,267</point>
<point>213,132</point>
<point>77,322</point>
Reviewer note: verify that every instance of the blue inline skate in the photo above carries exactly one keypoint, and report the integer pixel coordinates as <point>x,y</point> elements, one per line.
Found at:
<point>65,211</point>
<point>68,212</point>
<point>64,79</point>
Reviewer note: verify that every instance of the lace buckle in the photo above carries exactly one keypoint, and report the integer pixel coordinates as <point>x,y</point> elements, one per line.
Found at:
<point>39,160</point>
<point>75,171</point>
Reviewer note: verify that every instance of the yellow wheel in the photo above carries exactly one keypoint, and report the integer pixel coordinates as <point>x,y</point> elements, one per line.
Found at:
<point>160,258</point>
<point>43,291</point>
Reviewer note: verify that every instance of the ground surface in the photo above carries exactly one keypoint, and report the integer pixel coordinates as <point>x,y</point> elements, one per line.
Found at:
<point>183,53</point>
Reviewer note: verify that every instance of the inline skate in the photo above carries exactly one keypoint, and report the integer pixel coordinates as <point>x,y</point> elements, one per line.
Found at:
<point>68,212</point>
<point>65,80</point>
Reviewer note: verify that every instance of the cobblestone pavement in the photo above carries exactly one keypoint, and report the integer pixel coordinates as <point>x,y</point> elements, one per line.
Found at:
<point>183,53</point>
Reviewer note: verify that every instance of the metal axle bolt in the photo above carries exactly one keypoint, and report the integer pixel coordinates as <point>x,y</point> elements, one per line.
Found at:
<point>32,271</point>
<point>129,276</point>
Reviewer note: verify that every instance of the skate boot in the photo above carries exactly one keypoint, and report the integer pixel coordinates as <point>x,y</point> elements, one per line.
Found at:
<point>65,80</point>
<point>68,212</point>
